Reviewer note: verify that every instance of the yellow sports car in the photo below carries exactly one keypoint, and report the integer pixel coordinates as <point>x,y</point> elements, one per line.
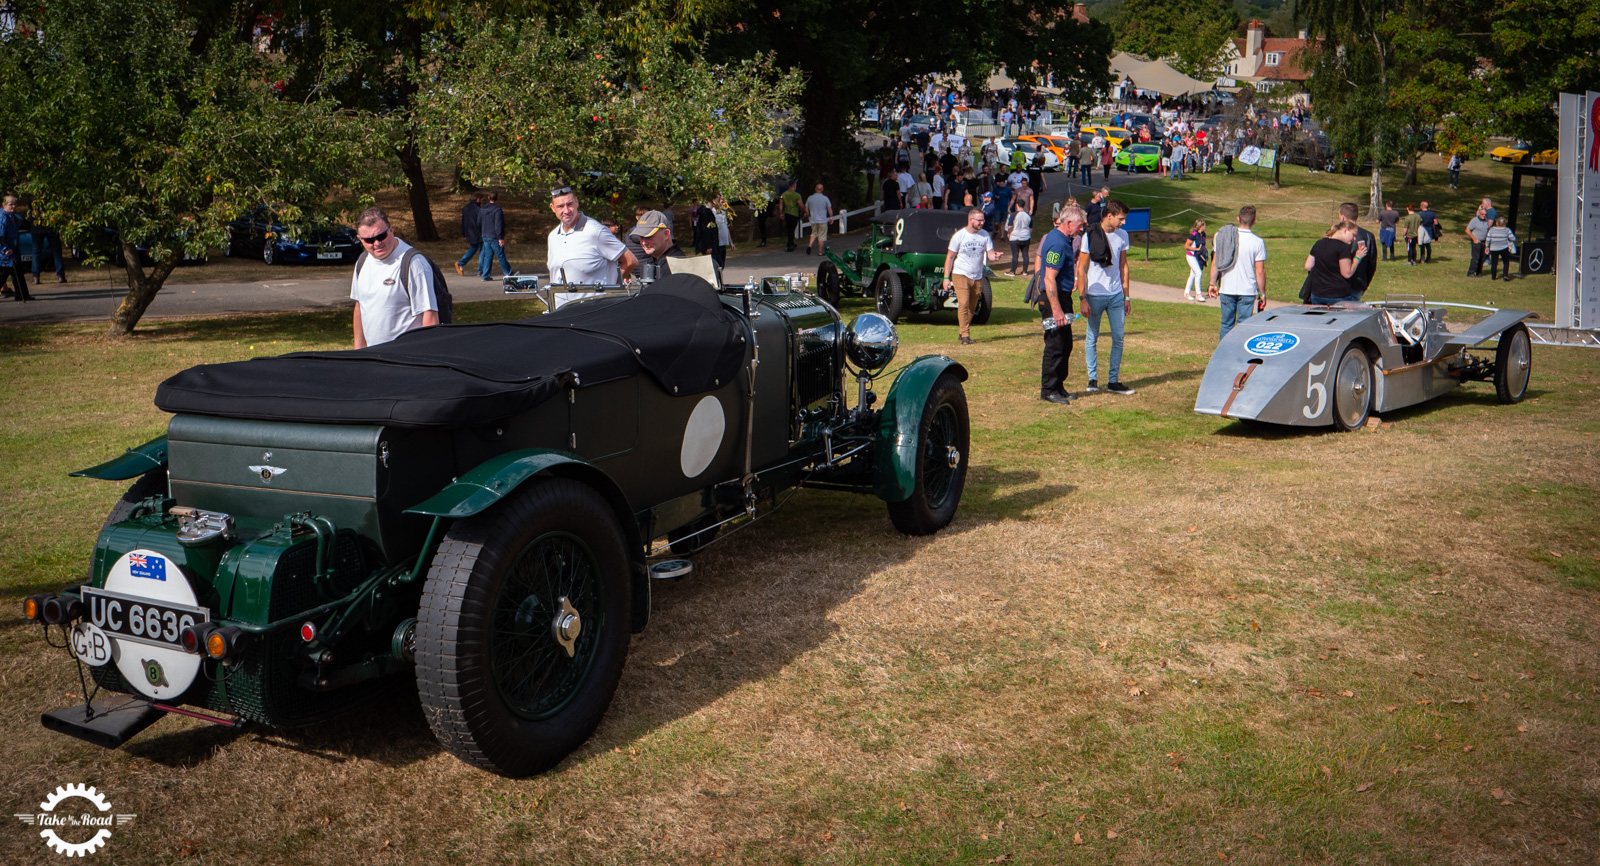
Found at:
<point>1118,136</point>
<point>1522,152</point>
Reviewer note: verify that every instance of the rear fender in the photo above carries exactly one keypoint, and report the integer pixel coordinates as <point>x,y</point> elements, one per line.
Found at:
<point>130,464</point>
<point>496,478</point>
<point>895,456</point>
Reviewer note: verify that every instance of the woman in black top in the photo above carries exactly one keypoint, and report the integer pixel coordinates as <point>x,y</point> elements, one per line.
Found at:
<point>1330,265</point>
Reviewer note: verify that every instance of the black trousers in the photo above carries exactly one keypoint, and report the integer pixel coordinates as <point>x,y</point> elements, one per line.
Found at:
<point>761,226</point>
<point>790,224</point>
<point>1495,258</point>
<point>18,279</point>
<point>1476,266</point>
<point>1057,351</point>
<point>1411,250</point>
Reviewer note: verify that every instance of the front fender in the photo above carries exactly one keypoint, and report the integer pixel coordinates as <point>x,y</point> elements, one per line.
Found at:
<point>895,455</point>
<point>130,464</point>
<point>495,479</point>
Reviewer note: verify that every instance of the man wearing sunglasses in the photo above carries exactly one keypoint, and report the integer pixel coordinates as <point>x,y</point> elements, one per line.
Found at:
<point>389,302</point>
<point>581,249</point>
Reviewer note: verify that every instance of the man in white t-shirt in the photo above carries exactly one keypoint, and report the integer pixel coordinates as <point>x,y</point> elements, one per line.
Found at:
<point>1240,282</point>
<point>581,249</point>
<point>1102,279</point>
<point>388,303</point>
<point>963,268</point>
<point>819,209</point>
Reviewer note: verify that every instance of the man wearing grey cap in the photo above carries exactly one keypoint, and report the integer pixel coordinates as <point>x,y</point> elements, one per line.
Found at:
<point>654,234</point>
<point>581,249</point>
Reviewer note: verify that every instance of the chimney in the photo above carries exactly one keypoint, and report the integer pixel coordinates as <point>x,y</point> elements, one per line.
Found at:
<point>1080,13</point>
<point>1252,38</point>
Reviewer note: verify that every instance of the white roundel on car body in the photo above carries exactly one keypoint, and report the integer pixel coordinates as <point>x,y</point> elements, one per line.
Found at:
<point>702,436</point>
<point>157,670</point>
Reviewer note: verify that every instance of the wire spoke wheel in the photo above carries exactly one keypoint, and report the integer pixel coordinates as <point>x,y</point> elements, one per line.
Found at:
<point>523,627</point>
<point>532,669</point>
<point>940,469</point>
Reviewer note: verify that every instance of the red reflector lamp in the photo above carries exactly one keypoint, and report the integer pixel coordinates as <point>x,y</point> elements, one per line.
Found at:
<point>193,637</point>
<point>59,609</point>
<point>308,632</point>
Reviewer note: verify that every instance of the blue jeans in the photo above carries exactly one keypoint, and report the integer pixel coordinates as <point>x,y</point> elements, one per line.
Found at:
<point>492,250</point>
<point>1235,309</point>
<point>1112,306</point>
<point>1177,169</point>
<point>1088,172</point>
<point>470,254</point>
<point>1455,175</point>
<point>1328,302</point>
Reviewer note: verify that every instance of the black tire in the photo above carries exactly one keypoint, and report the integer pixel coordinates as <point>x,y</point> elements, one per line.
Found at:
<point>269,252</point>
<point>828,283</point>
<point>1352,389</point>
<point>1513,364</point>
<point>890,290</point>
<point>980,314</point>
<point>499,690</point>
<point>938,488</point>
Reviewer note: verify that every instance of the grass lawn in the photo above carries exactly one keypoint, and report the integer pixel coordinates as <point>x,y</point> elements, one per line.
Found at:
<point>1149,636</point>
<point>1290,219</point>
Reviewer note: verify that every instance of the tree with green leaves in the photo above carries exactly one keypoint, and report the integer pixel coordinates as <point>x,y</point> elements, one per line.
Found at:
<point>854,50</point>
<point>162,126</point>
<point>1189,33</point>
<point>530,104</point>
<point>1356,74</point>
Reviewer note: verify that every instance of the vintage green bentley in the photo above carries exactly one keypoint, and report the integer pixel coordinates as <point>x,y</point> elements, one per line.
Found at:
<point>481,507</point>
<point>902,264</point>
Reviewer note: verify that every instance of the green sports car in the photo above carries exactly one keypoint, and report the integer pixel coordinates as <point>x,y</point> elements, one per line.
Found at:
<point>1138,157</point>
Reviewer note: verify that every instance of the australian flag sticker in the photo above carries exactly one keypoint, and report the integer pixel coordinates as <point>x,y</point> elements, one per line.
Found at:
<point>147,565</point>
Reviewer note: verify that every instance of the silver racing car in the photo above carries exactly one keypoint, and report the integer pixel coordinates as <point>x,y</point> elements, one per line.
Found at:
<point>1314,365</point>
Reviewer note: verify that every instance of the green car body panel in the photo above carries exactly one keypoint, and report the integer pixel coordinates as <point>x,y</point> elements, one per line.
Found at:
<point>893,478</point>
<point>132,463</point>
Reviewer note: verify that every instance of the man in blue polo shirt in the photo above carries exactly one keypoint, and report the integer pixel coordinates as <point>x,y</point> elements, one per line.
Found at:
<point>1056,269</point>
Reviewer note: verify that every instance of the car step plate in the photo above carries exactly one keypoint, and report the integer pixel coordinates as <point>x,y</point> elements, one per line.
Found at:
<point>114,720</point>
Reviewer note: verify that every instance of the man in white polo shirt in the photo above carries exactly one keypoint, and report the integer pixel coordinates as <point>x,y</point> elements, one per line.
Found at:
<point>581,249</point>
<point>388,303</point>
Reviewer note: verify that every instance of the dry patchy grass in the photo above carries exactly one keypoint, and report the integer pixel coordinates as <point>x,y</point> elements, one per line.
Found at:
<point>1148,637</point>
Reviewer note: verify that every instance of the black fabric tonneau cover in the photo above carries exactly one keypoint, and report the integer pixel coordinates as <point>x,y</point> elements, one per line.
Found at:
<point>677,330</point>
<point>924,230</point>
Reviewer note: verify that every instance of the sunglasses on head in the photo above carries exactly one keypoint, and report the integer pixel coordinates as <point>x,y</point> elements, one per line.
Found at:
<point>375,239</point>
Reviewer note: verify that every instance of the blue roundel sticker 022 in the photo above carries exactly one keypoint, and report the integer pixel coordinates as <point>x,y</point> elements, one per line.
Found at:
<point>1271,344</point>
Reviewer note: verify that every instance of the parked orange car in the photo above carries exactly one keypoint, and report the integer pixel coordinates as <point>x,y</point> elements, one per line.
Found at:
<point>1056,144</point>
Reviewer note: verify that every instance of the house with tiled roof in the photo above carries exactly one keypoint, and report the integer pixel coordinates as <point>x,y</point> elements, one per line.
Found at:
<point>1263,62</point>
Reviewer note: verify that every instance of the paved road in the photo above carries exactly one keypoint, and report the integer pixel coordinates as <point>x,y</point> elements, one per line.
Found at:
<point>306,289</point>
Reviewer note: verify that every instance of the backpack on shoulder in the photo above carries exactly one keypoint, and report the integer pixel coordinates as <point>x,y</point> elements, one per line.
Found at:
<point>441,291</point>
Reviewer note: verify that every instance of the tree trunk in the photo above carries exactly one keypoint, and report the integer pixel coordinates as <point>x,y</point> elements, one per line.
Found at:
<point>1411,170</point>
<point>1377,192</point>
<point>822,139</point>
<point>410,162</point>
<point>459,182</point>
<point>142,289</point>
<point>417,192</point>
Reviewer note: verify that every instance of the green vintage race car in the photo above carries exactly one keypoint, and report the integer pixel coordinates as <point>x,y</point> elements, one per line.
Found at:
<point>901,265</point>
<point>1138,157</point>
<point>479,509</point>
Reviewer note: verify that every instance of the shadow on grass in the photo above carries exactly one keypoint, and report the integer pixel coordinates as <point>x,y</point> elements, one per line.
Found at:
<point>388,729</point>
<point>757,601</point>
